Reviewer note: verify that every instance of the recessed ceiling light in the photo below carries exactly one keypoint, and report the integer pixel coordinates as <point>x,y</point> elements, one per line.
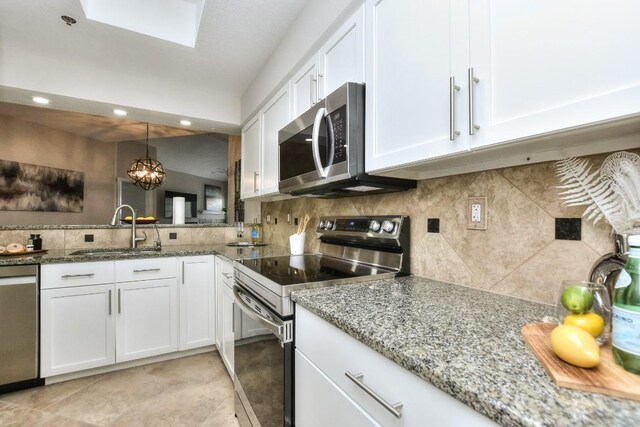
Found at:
<point>41,100</point>
<point>185,122</point>
<point>119,112</point>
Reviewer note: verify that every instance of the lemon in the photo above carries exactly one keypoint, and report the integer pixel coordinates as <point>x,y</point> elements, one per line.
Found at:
<point>577,299</point>
<point>574,345</point>
<point>590,322</point>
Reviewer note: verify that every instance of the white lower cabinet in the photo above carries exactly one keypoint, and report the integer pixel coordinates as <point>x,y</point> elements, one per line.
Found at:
<point>78,329</point>
<point>101,313</point>
<point>225,312</point>
<point>197,301</point>
<point>421,402</point>
<point>147,320</point>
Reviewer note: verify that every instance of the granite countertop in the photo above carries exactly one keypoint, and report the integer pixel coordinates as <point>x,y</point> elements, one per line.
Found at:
<point>466,342</point>
<point>56,256</point>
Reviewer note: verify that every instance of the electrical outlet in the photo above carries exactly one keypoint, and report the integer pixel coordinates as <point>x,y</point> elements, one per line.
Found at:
<point>476,213</point>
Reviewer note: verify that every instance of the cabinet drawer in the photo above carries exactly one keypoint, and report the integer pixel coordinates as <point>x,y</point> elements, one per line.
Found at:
<point>225,269</point>
<point>394,384</point>
<point>146,269</point>
<point>76,274</point>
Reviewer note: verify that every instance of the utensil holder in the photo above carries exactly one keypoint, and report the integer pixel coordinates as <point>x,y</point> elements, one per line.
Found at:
<point>296,244</point>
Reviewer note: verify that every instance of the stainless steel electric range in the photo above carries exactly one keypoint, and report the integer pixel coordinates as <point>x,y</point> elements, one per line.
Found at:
<point>352,249</point>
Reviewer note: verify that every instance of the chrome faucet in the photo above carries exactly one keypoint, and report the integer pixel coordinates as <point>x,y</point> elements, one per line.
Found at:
<point>134,236</point>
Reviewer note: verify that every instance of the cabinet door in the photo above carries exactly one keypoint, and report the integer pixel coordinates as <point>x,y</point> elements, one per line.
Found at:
<point>319,402</point>
<point>197,302</point>
<point>77,329</point>
<point>304,87</point>
<point>251,174</point>
<point>219,289</point>
<point>147,319</point>
<point>342,56</point>
<point>413,50</point>
<point>549,65</point>
<point>228,328</point>
<point>275,115</point>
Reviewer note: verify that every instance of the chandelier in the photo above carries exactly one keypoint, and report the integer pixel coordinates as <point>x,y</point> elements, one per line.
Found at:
<point>145,172</point>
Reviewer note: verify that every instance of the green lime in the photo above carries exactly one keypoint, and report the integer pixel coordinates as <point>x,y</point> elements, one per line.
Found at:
<point>577,299</point>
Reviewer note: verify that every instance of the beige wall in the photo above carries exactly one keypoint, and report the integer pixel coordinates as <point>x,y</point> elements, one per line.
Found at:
<point>517,255</point>
<point>27,142</point>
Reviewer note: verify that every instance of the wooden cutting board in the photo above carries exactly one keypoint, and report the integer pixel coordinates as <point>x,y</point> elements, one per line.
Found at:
<point>606,378</point>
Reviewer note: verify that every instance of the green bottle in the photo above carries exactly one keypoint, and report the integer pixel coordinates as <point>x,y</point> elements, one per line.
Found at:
<point>626,311</point>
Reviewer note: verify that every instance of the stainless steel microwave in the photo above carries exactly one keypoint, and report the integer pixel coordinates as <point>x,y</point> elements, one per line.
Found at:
<point>322,151</point>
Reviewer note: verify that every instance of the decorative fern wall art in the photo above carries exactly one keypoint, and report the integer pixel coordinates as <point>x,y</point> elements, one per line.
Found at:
<point>611,193</point>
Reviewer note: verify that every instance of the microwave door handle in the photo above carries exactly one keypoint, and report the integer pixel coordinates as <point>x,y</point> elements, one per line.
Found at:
<point>332,143</point>
<point>315,145</point>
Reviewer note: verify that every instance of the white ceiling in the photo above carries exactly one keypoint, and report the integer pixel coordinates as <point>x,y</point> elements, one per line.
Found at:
<point>103,63</point>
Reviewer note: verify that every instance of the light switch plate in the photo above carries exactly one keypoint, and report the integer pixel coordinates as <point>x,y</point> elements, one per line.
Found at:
<point>476,213</point>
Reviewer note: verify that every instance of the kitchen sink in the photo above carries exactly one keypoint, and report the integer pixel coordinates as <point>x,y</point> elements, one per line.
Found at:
<point>245,244</point>
<point>112,251</point>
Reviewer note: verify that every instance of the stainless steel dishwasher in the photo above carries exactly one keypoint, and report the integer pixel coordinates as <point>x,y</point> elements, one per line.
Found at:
<point>19,327</point>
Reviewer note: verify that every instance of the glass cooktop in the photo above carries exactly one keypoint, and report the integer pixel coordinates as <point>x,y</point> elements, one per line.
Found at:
<point>298,269</point>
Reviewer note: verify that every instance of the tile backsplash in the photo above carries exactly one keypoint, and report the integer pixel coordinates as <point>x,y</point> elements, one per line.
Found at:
<point>517,255</point>
<point>75,238</point>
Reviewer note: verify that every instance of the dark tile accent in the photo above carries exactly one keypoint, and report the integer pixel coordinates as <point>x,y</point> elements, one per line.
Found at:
<point>88,237</point>
<point>433,225</point>
<point>173,236</point>
<point>568,228</point>
<point>275,221</point>
<point>295,221</point>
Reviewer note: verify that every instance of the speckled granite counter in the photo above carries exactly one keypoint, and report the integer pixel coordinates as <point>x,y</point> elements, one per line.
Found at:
<point>467,343</point>
<point>59,256</point>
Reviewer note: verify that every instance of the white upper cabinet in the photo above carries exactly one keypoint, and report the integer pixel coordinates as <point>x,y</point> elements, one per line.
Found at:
<point>342,56</point>
<point>251,145</point>
<point>260,159</point>
<point>304,87</point>
<point>416,68</point>
<point>275,115</point>
<point>551,65</point>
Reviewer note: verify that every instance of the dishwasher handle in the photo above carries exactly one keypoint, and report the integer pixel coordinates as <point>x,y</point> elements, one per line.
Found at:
<point>20,280</point>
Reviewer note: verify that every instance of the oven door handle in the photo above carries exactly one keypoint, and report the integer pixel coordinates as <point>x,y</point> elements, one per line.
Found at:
<point>282,330</point>
<point>315,144</point>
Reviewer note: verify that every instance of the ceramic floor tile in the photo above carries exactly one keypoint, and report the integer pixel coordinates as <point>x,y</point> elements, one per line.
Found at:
<point>42,397</point>
<point>200,369</point>
<point>223,415</point>
<point>104,401</point>
<point>13,415</point>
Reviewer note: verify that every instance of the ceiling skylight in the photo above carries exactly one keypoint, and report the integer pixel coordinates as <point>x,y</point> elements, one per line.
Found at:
<point>174,20</point>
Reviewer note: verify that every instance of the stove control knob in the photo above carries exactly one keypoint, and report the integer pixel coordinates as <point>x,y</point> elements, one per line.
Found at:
<point>374,226</point>
<point>389,226</point>
<point>329,225</point>
<point>322,224</point>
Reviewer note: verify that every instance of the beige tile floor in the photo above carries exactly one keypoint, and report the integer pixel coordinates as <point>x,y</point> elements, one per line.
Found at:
<point>192,391</point>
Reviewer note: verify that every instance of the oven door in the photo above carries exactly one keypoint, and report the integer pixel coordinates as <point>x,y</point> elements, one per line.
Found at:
<point>263,365</point>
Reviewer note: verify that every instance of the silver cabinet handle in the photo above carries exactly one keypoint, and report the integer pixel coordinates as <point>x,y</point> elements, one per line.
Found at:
<point>311,80</point>
<point>146,270</point>
<point>255,182</point>
<point>318,86</point>
<point>119,302</point>
<point>109,302</point>
<point>357,379</point>
<point>472,80</point>
<point>227,275</point>
<point>452,108</point>
<point>71,276</point>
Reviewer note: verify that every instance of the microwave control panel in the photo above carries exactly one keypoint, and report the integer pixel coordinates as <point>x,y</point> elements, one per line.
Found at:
<point>338,120</point>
